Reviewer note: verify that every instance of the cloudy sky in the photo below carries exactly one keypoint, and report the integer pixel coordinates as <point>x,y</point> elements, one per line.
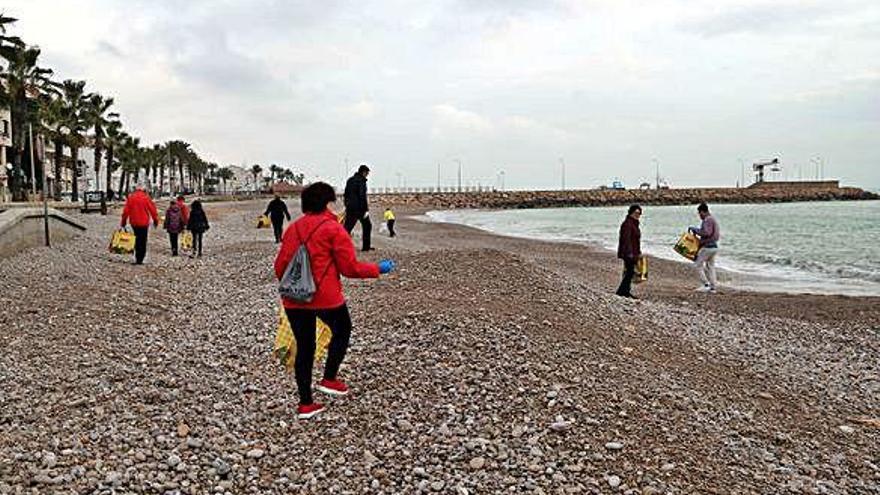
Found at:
<point>513,85</point>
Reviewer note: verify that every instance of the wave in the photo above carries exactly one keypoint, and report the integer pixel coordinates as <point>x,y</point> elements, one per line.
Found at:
<point>813,266</point>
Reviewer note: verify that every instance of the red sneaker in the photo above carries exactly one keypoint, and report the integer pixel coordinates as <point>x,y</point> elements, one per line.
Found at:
<point>332,387</point>
<point>306,411</point>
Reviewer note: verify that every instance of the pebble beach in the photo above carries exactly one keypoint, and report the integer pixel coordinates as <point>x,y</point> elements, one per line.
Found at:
<point>484,364</point>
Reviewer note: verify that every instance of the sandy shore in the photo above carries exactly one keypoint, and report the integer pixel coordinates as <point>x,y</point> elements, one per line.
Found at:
<point>485,364</point>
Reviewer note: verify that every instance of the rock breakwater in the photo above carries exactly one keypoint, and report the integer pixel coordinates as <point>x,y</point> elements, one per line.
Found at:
<point>597,197</point>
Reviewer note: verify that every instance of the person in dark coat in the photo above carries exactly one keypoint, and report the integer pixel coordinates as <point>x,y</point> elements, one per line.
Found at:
<point>629,248</point>
<point>198,225</point>
<point>277,212</point>
<point>356,207</point>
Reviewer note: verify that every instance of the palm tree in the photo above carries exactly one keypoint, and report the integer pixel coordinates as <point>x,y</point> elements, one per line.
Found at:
<point>53,116</point>
<point>113,139</point>
<point>256,170</point>
<point>176,150</point>
<point>24,81</point>
<point>128,159</point>
<point>224,174</point>
<point>74,97</point>
<point>96,116</point>
<point>275,169</point>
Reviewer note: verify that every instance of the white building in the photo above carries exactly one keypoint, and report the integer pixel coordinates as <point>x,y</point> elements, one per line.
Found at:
<point>5,142</point>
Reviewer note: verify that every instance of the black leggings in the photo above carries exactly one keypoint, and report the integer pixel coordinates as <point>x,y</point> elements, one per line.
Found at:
<point>629,270</point>
<point>278,228</point>
<point>172,236</point>
<point>303,323</point>
<point>197,242</point>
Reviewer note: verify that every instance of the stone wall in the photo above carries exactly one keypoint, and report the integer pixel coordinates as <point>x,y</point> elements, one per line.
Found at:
<point>23,228</point>
<point>552,199</point>
<point>799,185</point>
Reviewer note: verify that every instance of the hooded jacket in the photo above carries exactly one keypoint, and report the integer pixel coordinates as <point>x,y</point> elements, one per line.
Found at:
<point>332,256</point>
<point>174,223</point>
<point>138,210</point>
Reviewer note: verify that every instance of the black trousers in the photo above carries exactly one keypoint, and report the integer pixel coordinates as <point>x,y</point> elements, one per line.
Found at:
<point>352,218</point>
<point>173,237</point>
<point>303,323</point>
<point>140,243</point>
<point>391,228</point>
<point>629,270</point>
<point>278,228</point>
<point>197,242</point>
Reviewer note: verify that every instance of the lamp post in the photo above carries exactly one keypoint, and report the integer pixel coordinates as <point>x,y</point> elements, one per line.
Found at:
<point>562,162</point>
<point>459,173</point>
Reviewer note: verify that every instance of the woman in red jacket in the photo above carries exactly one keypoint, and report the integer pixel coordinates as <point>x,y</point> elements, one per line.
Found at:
<point>332,255</point>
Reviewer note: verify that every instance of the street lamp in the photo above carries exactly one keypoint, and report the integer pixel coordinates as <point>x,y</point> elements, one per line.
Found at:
<point>562,162</point>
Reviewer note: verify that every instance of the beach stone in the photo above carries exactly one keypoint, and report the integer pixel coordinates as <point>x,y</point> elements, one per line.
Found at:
<point>478,462</point>
<point>173,460</point>
<point>256,453</point>
<point>614,481</point>
<point>614,446</point>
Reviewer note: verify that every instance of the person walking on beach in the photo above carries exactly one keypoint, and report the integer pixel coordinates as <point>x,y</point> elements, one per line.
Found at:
<point>277,212</point>
<point>139,209</point>
<point>332,255</point>
<point>356,207</point>
<point>174,225</point>
<point>198,225</point>
<point>629,248</point>
<point>389,221</point>
<point>709,233</point>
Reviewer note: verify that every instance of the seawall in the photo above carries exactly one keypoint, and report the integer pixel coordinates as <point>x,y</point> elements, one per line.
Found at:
<point>596,197</point>
<point>23,227</point>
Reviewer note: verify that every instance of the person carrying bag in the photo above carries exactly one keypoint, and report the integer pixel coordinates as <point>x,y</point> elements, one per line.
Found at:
<point>328,251</point>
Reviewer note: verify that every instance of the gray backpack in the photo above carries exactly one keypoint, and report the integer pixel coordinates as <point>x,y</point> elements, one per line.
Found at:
<point>298,283</point>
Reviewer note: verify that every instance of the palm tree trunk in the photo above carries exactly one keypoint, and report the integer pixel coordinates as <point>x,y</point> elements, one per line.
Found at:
<point>99,145</point>
<point>109,175</point>
<point>74,155</point>
<point>59,156</point>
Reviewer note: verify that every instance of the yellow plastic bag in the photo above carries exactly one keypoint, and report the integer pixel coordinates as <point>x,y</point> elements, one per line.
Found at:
<point>687,246</point>
<point>641,270</point>
<point>186,241</point>
<point>263,222</point>
<point>122,242</point>
<point>285,344</point>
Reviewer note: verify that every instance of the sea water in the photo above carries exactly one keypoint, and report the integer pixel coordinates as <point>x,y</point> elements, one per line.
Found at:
<point>812,247</point>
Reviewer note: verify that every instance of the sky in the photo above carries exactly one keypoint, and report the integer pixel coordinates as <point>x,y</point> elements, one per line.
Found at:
<point>512,90</point>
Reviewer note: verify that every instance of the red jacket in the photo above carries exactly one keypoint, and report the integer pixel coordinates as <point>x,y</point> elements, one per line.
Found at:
<point>331,253</point>
<point>629,245</point>
<point>138,210</point>
<point>184,211</point>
